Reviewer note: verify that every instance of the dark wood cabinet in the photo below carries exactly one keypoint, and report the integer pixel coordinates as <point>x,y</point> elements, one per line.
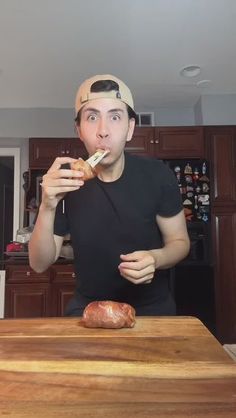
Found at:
<point>163,142</point>
<point>140,143</point>
<point>30,294</point>
<point>43,151</point>
<point>178,142</point>
<point>63,287</point>
<point>27,300</point>
<point>27,293</point>
<point>19,273</point>
<point>222,156</point>
<point>168,142</point>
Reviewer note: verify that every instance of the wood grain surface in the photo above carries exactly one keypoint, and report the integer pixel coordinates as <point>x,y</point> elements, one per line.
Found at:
<point>163,367</point>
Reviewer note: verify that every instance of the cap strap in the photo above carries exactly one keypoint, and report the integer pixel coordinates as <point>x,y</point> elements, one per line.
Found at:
<point>100,95</point>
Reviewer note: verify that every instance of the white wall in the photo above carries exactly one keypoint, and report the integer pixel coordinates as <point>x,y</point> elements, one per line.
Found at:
<point>219,109</point>
<point>198,112</point>
<point>22,144</point>
<point>26,123</point>
<point>174,116</point>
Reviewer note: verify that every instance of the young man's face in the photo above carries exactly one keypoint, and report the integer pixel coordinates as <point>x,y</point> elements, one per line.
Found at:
<point>105,124</point>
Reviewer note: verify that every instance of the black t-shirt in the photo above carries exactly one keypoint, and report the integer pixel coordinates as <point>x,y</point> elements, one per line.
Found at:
<point>109,219</point>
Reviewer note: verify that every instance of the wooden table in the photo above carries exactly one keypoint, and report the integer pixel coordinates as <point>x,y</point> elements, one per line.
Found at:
<point>163,367</point>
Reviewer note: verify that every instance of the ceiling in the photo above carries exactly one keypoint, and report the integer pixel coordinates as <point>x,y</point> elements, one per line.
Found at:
<point>48,47</point>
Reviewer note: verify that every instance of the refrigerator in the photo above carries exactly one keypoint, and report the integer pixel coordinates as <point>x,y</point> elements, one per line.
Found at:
<point>193,178</point>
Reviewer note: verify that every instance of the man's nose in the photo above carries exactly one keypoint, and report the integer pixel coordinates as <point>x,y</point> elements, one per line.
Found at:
<point>102,131</point>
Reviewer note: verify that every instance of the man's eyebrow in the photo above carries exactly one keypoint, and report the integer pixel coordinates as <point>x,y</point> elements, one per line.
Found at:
<point>93,109</point>
<point>116,110</point>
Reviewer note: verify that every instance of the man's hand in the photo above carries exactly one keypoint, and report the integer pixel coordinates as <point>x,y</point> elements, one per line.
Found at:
<point>57,182</point>
<point>138,267</point>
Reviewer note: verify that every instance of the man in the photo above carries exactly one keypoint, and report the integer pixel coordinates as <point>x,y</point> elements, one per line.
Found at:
<point>127,225</point>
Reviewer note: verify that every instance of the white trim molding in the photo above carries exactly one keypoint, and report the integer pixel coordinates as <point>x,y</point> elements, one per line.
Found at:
<point>2,292</point>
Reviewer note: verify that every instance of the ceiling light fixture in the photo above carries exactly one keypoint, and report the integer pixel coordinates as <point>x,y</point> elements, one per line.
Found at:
<point>204,83</point>
<point>190,71</point>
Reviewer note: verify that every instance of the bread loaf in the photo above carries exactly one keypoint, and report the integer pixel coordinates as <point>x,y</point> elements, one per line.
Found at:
<point>81,165</point>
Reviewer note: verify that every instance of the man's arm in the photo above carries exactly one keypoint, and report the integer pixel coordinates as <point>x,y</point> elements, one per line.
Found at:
<point>44,246</point>
<point>139,266</point>
<point>175,239</point>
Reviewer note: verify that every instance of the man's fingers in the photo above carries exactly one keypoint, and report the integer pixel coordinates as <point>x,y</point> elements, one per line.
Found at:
<point>137,274</point>
<point>65,173</point>
<point>59,161</point>
<point>142,280</point>
<point>135,256</point>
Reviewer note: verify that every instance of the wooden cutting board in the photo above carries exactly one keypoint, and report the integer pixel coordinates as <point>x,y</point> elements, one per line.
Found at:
<point>165,367</point>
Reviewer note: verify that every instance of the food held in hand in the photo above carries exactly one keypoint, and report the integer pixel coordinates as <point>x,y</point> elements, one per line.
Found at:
<point>81,165</point>
<point>88,166</point>
<point>109,314</point>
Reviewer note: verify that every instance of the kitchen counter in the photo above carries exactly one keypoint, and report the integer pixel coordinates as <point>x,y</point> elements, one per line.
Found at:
<point>164,366</point>
<point>24,259</point>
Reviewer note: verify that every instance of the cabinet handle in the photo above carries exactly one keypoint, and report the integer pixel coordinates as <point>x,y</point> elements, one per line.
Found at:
<point>151,142</point>
<point>67,152</point>
<point>62,152</point>
<point>73,275</point>
<point>156,141</point>
<point>28,273</point>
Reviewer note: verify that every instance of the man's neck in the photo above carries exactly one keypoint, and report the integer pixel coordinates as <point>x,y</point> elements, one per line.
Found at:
<point>113,172</point>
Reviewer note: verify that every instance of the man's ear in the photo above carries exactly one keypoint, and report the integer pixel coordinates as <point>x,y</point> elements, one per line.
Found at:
<point>131,129</point>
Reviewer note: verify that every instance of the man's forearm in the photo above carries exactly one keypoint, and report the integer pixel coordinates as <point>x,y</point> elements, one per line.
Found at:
<point>171,254</point>
<point>42,247</point>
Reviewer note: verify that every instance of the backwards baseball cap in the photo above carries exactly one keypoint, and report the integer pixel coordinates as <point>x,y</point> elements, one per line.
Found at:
<point>89,91</point>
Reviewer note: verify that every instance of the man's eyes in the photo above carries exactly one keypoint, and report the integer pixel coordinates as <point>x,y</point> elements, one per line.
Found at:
<point>93,117</point>
<point>116,116</point>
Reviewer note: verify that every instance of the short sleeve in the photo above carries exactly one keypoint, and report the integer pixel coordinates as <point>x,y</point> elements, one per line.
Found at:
<point>170,200</point>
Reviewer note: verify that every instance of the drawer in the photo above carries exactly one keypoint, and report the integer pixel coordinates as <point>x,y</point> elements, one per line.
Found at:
<point>25,274</point>
<point>63,273</point>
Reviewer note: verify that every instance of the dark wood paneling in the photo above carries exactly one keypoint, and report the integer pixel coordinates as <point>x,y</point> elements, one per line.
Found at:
<point>182,142</point>
<point>224,258</point>
<point>142,141</point>
<point>27,300</point>
<point>223,165</point>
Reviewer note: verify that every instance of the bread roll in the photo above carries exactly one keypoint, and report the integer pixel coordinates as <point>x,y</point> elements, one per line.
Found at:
<point>108,314</point>
<point>81,165</point>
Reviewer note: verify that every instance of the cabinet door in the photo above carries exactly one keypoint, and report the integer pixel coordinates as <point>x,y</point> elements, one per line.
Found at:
<point>27,300</point>
<point>179,142</point>
<point>63,273</point>
<point>142,141</point>
<point>43,151</point>
<point>224,239</point>
<point>63,287</point>
<point>61,294</point>
<point>222,142</point>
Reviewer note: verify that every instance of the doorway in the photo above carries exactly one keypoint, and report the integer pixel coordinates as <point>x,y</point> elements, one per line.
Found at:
<point>9,196</point>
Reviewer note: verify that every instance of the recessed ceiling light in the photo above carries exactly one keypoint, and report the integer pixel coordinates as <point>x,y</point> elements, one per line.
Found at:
<point>190,71</point>
<point>204,83</point>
